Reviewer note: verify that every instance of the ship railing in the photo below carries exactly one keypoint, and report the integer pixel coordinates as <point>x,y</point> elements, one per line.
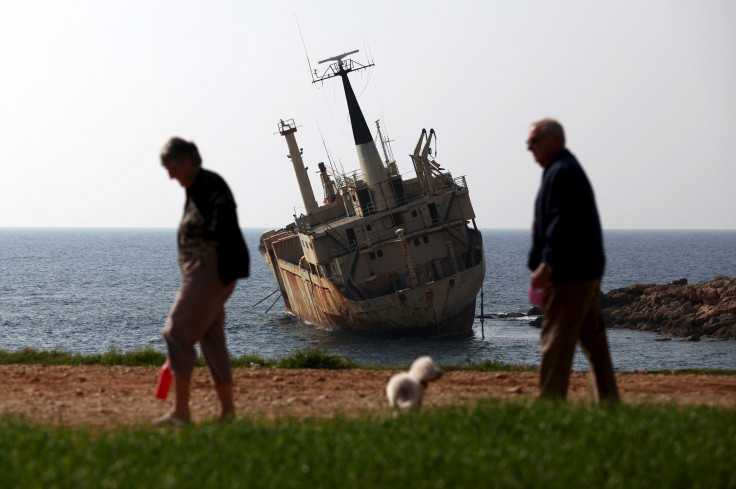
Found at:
<point>460,182</point>
<point>410,227</point>
<point>329,220</point>
<point>351,179</point>
<point>393,201</point>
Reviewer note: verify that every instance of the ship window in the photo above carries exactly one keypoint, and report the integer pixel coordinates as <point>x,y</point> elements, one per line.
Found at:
<point>429,270</point>
<point>350,233</point>
<point>437,269</point>
<point>372,255</point>
<point>398,187</point>
<point>380,253</point>
<point>366,203</point>
<point>446,266</point>
<point>414,213</point>
<point>367,227</point>
<point>433,213</point>
<point>416,241</point>
<point>396,218</point>
<point>420,275</point>
<point>396,281</point>
<point>407,283</point>
<point>425,239</point>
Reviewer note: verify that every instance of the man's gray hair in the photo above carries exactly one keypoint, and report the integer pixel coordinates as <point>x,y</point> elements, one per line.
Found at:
<point>549,126</point>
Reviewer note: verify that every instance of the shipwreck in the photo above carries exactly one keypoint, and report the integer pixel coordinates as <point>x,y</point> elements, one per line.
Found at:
<point>381,253</point>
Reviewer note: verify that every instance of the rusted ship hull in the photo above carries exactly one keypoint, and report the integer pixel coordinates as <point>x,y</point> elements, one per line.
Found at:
<point>445,307</point>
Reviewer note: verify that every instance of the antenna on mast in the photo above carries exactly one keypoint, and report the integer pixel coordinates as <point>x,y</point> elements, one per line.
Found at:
<point>327,151</point>
<point>367,47</point>
<point>339,67</point>
<point>385,144</point>
<point>311,72</point>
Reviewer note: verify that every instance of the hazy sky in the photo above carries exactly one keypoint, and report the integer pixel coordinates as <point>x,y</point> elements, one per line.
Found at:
<point>91,90</point>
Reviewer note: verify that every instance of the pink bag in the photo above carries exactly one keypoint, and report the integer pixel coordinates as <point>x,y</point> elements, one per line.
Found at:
<point>536,296</point>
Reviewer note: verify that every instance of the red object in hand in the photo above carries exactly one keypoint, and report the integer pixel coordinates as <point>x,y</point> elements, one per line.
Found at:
<point>164,382</point>
<point>536,296</point>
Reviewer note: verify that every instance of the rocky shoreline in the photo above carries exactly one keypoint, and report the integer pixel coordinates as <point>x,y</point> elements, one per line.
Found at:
<point>691,311</point>
<point>676,309</point>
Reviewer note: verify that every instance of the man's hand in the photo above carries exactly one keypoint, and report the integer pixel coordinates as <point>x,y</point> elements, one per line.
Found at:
<point>540,277</point>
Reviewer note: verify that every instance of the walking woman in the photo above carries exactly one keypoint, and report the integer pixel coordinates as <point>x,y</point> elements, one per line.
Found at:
<point>212,256</point>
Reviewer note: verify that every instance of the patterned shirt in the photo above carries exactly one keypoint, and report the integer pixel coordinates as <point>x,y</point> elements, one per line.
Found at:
<point>192,244</point>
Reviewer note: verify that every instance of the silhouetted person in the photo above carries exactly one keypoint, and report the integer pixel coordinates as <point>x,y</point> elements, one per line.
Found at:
<point>567,260</point>
<point>212,255</point>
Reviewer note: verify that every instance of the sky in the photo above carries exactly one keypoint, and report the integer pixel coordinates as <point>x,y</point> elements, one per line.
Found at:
<point>91,90</point>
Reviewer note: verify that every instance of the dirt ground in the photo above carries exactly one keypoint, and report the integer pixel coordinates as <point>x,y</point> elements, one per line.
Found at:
<point>119,396</point>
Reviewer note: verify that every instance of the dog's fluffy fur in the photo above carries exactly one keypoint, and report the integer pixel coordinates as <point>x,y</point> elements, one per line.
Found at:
<point>406,390</point>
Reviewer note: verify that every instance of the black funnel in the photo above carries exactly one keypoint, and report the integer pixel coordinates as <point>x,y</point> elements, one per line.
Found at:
<point>361,133</point>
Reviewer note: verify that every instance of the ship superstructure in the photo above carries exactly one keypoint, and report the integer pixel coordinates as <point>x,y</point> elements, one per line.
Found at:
<point>380,254</point>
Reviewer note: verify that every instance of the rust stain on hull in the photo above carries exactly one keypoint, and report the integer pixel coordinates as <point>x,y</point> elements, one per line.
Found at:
<point>410,311</point>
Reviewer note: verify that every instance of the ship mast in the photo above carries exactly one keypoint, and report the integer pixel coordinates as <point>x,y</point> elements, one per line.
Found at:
<point>385,144</point>
<point>287,129</point>
<point>374,172</point>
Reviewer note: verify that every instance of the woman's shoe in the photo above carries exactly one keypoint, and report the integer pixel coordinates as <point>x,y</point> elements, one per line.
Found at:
<point>171,420</point>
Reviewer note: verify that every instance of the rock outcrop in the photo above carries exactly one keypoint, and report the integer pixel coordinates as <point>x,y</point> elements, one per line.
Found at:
<point>678,309</point>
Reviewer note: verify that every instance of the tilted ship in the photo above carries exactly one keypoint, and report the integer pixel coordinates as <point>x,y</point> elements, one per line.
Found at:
<point>381,254</point>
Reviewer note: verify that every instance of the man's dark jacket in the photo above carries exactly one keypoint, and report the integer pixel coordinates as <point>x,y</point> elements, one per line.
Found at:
<point>566,233</point>
<point>217,206</point>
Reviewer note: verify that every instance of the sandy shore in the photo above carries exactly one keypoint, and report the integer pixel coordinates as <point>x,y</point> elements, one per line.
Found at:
<point>116,396</point>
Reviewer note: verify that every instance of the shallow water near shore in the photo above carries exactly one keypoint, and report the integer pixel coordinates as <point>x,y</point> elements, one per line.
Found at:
<point>92,290</point>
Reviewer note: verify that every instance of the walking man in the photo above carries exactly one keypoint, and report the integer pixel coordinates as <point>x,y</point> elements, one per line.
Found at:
<point>567,260</point>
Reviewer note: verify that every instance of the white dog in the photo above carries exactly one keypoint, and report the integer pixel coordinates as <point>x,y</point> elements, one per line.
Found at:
<point>406,390</point>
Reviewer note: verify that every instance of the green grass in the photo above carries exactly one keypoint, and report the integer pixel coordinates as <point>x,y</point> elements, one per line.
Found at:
<point>30,356</point>
<point>491,444</point>
<point>316,358</point>
<point>307,358</point>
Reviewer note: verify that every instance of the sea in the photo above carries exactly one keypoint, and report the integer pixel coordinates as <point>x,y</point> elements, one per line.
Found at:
<point>92,290</point>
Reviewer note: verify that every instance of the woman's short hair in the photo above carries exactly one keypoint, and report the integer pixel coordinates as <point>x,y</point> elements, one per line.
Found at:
<point>176,148</point>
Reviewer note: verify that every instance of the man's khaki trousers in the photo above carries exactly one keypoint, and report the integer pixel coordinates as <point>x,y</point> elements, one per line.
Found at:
<point>571,315</point>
